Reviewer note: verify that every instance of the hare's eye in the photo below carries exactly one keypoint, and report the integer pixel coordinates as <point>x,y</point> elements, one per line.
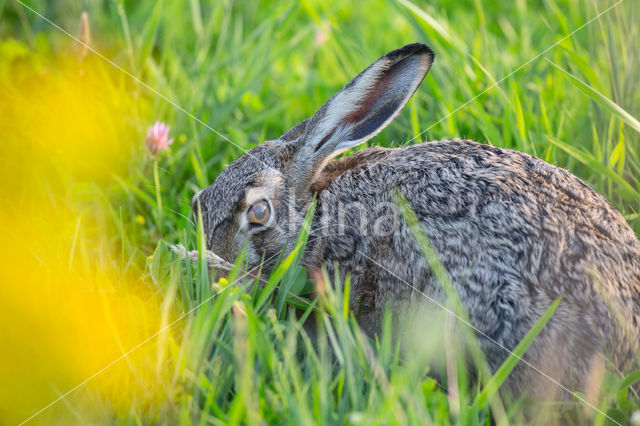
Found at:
<point>259,213</point>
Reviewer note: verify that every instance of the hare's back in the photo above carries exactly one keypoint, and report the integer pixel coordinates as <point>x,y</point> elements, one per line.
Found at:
<point>481,201</point>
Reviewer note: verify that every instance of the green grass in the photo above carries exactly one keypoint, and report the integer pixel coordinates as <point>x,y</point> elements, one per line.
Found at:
<point>251,70</point>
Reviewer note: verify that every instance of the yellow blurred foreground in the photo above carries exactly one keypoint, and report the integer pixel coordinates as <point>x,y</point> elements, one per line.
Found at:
<point>66,309</point>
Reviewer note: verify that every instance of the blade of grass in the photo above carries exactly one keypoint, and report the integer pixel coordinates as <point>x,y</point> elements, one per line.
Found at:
<point>495,382</point>
<point>611,106</point>
<point>586,158</point>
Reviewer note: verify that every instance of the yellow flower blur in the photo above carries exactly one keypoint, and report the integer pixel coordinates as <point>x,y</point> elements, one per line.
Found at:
<point>66,308</point>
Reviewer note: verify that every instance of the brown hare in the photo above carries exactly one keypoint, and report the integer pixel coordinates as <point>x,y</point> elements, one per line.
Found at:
<point>513,232</point>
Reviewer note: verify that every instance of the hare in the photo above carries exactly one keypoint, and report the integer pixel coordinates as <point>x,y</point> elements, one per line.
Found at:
<point>513,232</point>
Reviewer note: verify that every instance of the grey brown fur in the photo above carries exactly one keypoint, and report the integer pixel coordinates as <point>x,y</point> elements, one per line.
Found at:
<point>513,232</point>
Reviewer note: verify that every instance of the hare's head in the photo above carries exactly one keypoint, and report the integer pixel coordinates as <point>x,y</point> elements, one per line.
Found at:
<point>260,200</point>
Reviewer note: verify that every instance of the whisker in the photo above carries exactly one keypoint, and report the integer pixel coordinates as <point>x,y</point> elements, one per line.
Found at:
<point>325,236</point>
<point>180,214</point>
<point>330,225</point>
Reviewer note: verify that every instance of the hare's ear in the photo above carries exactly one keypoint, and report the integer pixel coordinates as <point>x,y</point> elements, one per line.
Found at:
<point>362,108</point>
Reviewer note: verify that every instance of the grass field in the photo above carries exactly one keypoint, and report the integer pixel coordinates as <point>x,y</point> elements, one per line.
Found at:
<point>86,214</point>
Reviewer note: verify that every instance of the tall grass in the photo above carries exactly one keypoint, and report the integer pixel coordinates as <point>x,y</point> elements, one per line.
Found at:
<point>86,269</point>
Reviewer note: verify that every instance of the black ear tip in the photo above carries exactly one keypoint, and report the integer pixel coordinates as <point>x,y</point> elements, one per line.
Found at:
<point>417,49</point>
<point>414,49</point>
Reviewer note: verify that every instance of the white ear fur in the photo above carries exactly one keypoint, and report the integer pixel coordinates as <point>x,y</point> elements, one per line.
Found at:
<point>365,106</point>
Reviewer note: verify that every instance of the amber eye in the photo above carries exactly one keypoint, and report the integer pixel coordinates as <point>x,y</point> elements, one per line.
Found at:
<point>259,213</point>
